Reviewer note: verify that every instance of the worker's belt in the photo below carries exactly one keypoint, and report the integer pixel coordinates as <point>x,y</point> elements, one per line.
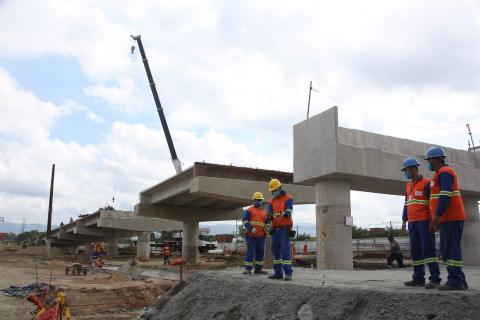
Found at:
<point>257,223</point>
<point>277,214</point>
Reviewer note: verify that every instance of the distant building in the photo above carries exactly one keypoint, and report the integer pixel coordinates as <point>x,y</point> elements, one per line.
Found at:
<point>225,238</point>
<point>377,230</point>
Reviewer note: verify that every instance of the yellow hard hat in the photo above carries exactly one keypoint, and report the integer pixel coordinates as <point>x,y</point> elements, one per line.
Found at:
<point>274,184</point>
<point>257,196</point>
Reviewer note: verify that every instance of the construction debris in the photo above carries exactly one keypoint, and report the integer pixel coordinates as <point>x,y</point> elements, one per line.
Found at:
<point>22,292</point>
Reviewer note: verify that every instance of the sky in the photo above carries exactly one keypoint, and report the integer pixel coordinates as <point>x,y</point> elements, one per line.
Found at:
<point>233,78</point>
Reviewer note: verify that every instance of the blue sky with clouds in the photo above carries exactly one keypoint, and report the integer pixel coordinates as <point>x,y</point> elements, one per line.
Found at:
<point>233,79</point>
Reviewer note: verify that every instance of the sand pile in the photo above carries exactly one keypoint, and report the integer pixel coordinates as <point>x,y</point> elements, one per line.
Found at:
<point>204,296</point>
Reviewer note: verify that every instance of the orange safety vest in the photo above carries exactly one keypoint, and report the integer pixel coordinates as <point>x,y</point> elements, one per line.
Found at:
<point>418,207</point>
<point>455,210</point>
<point>278,207</point>
<point>257,220</point>
<point>166,251</point>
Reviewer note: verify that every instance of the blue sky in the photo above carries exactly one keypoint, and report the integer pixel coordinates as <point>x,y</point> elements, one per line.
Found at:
<point>232,77</point>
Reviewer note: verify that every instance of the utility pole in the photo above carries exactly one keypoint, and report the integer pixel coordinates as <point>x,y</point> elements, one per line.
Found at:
<point>23,226</point>
<point>471,137</point>
<point>50,202</point>
<point>309,96</point>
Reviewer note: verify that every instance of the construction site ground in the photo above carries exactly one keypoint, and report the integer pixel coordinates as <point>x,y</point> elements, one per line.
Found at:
<point>101,294</point>
<point>315,294</point>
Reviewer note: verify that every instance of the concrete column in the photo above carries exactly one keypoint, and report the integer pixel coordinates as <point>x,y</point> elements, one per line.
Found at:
<point>334,238</point>
<point>112,247</point>
<point>268,259</point>
<point>471,232</point>
<point>143,246</point>
<point>190,241</point>
<point>48,249</point>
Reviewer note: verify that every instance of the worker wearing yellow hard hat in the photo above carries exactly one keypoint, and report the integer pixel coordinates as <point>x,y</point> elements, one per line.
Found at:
<point>254,221</point>
<point>279,216</point>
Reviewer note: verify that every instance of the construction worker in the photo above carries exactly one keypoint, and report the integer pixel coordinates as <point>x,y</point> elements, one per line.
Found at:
<point>279,215</point>
<point>254,221</point>
<point>417,212</point>
<point>395,253</point>
<point>166,254</point>
<point>446,205</point>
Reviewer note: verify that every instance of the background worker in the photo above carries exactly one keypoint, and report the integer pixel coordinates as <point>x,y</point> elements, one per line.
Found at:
<point>446,205</point>
<point>166,254</point>
<point>417,212</point>
<point>395,253</point>
<point>279,214</point>
<point>254,221</point>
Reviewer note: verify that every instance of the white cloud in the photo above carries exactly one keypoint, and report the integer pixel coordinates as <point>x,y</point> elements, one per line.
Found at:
<point>233,78</point>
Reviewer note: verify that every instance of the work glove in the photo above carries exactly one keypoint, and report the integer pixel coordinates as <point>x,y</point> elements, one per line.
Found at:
<point>267,228</point>
<point>286,213</point>
<point>253,231</point>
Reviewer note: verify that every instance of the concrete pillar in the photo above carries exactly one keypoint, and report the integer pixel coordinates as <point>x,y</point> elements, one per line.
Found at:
<point>268,259</point>
<point>334,237</point>
<point>190,241</point>
<point>471,232</point>
<point>143,246</point>
<point>48,249</point>
<point>112,247</point>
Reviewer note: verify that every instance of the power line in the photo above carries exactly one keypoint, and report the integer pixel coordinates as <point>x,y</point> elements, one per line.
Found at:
<point>343,104</point>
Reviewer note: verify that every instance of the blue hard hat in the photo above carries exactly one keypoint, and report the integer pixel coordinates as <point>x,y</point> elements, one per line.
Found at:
<point>409,162</point>
<point>435,152</point>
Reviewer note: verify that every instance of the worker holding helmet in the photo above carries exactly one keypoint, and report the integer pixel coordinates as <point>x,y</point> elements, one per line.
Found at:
<point>448,212</point>
<point>417,212</point>
<point>254,221</point>
<point>279,214</point>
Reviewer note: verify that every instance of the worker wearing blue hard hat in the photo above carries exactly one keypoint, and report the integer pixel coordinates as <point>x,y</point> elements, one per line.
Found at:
<point>448,212</point>
<point>416,212</point>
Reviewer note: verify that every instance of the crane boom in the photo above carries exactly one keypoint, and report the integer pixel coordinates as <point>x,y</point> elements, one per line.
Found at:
<point>176,162</point>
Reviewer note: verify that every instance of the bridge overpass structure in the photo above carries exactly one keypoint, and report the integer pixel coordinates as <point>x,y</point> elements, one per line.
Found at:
<point>211,192</point>
<point>335,160</point>
<point>108,226</point>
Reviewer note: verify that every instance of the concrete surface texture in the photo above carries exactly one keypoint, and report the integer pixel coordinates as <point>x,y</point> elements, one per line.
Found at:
<point>211,192</point>
<point>313,294</point>
<point>369,162</point>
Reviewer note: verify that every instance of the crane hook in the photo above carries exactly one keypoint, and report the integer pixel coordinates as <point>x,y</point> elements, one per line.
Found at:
<point>132,49</point>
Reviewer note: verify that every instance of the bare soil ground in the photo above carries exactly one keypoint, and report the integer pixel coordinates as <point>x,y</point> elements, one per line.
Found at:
<point>99,295</point>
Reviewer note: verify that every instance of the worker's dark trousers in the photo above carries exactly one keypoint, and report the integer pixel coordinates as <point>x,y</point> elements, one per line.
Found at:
<point>451,251</point>
<point>398,257</point>
<point>281,252</point>
<point>423,252</point>
<point>166,260</point>
<point>255,252</point>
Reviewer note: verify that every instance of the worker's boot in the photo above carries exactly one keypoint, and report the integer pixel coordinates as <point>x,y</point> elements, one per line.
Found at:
<point>447,287</point>
<point>288,277</point>
<point>432,285</point>
<point>414,283</point>
<point>276,276</point>
<point>260,271</point>
<point>247,272</point>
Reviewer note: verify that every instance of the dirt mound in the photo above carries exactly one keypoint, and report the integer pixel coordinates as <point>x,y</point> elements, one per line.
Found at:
<point>204,296</point>
<point>9,247</point>
<point>41,251</point>
<point>111,278</point>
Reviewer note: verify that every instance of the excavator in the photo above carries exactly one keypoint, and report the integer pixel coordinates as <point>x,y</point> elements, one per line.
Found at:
<point>176,162</point>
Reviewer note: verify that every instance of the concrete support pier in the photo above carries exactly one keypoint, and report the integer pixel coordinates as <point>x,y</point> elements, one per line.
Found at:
<point>190,241</point>
<point>471,232</point>
<point>334,237</point>
<point>112,247</point>
<point>143,246</point>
